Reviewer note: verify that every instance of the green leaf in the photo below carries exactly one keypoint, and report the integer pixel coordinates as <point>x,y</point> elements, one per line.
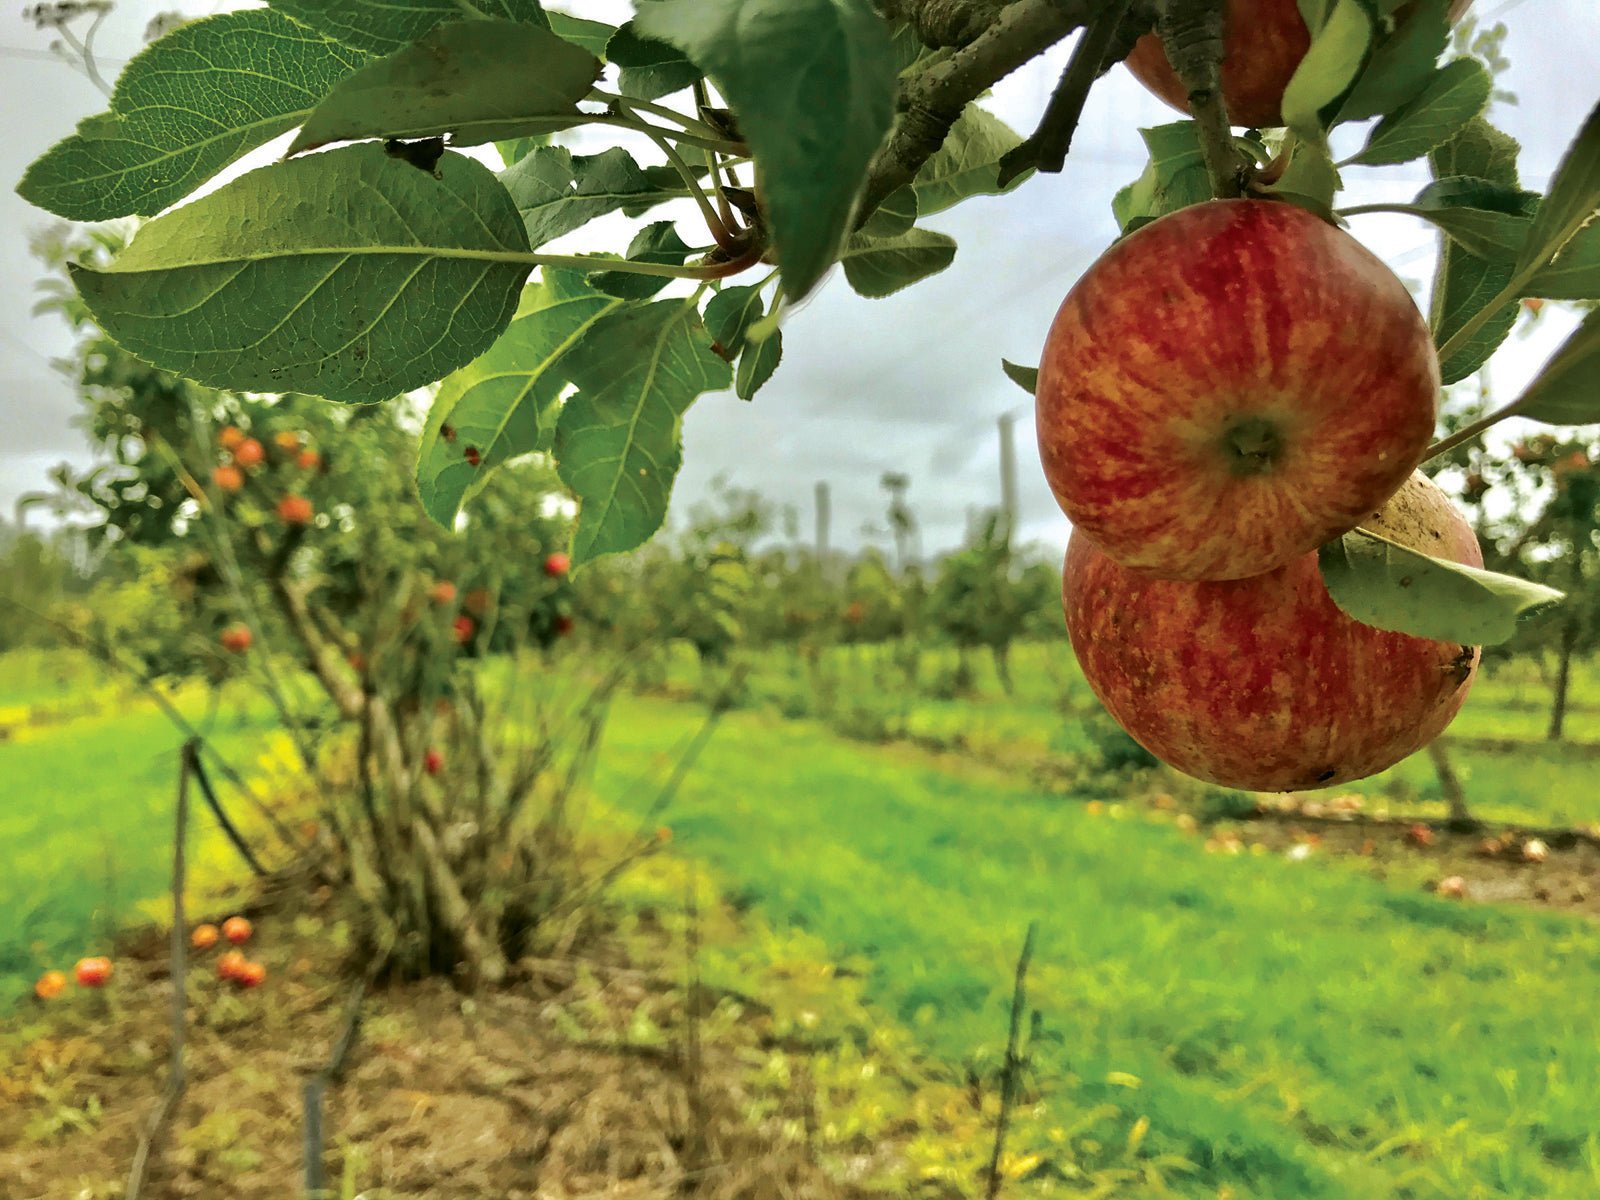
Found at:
<point>730,314</point>
<point>591,35</point>
<point>657,243</point>
<point>243,77</point>
<point>1572,199</point>
<point>351,274</point>
<point>1311,179</point>
<point>1402,63</point>
<point>1459,92</point>
<point>968,163</point>
<point>1485,219</point>
<point>1174,178</point>
<point>619,437</point>
<point>1329,67</point>
<point>1480,150</point>
<point>504,403</point>
<point>1464,283</point>
<point>812,86</point>
<point>878,267</point>
<point>894,216</point>
<point>1385,585</point>
<point>1567,390</point>
<point>384,26</point>
<point>1026,378</point>
<point>1575,273</point>
<point>756,365</point>
<point>650,68</point>
<point>514,150</point>
<point>478,81</point>
<point>557,193</point>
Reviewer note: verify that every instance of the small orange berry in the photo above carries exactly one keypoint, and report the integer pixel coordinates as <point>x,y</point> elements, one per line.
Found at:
<point>237,930</point>
<point>229,964</point>
<point>249,453</point>
<point>51,984</point>
<point>230,437</point>
<point>92,972</point>
<point>295,510</point>
<point>287,441</point>
<point>228,478</point>
<point>308,460</point>
<point>250,974</point>
<point>204,937</point>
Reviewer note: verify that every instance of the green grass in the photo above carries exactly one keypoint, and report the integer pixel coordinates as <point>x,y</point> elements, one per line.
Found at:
<point>1293,1030</point>
<point>1542,783</point>
<point>86,822</point>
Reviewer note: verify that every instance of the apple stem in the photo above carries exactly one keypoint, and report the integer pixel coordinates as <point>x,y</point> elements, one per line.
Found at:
<point>1191,32</point>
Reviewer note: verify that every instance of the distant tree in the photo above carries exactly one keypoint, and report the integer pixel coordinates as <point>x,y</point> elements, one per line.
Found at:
<point>1538,510</point>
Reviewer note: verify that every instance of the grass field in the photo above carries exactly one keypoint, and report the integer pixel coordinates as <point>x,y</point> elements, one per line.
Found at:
<point>1542,784</point>
<point>86,821</point>
<point>1212,1025</point>
<point>1290,1030</point>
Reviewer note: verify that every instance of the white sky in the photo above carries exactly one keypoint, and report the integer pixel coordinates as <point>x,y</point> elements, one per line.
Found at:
<point>911,383</point>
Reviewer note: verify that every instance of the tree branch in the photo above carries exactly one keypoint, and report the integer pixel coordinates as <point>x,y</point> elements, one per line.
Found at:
<point>995,39</point>
<point>1047,148</point>
<point>1191,32</point>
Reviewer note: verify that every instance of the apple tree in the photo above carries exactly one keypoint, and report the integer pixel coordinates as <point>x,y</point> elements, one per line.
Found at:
<point>805,134</point>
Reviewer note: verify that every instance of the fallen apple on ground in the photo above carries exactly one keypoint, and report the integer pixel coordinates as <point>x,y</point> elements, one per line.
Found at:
<point>1263,683</point>
<point>1229,387</point>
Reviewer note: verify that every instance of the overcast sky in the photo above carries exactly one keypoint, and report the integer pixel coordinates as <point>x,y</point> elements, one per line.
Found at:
<point>911,383</point>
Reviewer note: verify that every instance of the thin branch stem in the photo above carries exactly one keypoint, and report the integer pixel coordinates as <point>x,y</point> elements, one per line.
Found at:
<point>1191,32</point>
<point>637,125</point>
<point>933,98</point>
<point>1468,432</point>
<point>656,110</point>
<point>1047,148</point>
<point>1014,1061</point>
<point>714,222</point>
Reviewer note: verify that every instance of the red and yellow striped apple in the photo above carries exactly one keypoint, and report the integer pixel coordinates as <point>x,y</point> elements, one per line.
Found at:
<point>1264,683</point>
<point>1263,43</point>
<point>1229,387</point>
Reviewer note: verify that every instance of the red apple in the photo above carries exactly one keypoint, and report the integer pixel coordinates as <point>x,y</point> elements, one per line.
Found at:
<point>295,510</point>
<point>50,985</point>
<point>229,964</point>
<point>433,762</point>
<point>1230,387</point>
<point>1264,683</point>
<point>249,453</point>
<point>1263,43</point>
<point>237,930</point>
<point>92,972</point>
<point>249,975</point>
<point>236,639</point>
<point>203,937</point>
<point>463,628</point>
<point>557,564</point>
